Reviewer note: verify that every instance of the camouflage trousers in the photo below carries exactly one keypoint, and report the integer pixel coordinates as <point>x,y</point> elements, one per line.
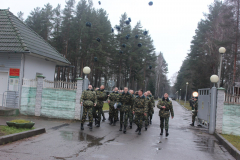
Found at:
<point>87,110</point>
<point>194,115</point>
<point>139,118</point>
<point>124,113</point>
<point>113,113</point>
<point>162,120</point>
<point>97,112</point>
<point>148,117</point>
<point>130,115</point>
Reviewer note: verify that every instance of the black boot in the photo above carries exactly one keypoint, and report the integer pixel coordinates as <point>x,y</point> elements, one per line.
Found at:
<point>130,125</point>
<point>125,130</point>
<point>161,132</point>
<point>90,126</point>
<point>120,127</point>
<point>167,132</point>
<point>114,123</point>
<point>150,121</point>
<point>146,127</point>
<point>98,124</point>
<point>139,131</point>
<point>192,124</point>
<point>82,126</point>
<point>111,121</point>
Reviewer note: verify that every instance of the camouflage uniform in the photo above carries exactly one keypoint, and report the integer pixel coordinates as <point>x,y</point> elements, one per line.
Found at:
<point>101,96</point>
<point>194,112</point>
<point>126,99</point>
<point>88,98</point>
<point>113,113</point>
<point>140,107</point>
<point>164,113</point>
<point>131,111</point>
<point>149,108</point>
<point>191,102</point>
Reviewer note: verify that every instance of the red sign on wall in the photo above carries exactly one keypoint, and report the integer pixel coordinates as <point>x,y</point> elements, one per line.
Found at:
<point>14,72</point>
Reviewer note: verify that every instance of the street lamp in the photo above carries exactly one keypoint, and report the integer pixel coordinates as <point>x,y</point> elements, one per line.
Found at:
<point>221,50</point>
<point>186,93</point>
<point>212,124</point>
<point>180,94</point>
<point>86,71</point>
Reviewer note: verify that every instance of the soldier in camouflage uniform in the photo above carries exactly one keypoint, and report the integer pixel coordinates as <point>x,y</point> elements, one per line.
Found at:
<point>88,100</point>
<point>166,108</point>
<point>151,111</point>
<point>140,110</point>
<point>112,99</point>
<point>101,96</point>
<point>191,102</point>
<point>149,106</point>
<point>130,115</point>
<point>195,111</point>
<point>126,99</point>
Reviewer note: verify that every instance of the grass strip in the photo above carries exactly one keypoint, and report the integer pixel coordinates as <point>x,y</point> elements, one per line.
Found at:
<point>234,140</point>
<point>5,130</point>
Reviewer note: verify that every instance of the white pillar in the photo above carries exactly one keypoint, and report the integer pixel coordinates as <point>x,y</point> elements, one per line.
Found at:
<point>220,106</point>
<point>39,95</point>
<point>78,97</point>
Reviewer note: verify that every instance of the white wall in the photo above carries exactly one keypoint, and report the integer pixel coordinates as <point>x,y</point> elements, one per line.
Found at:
<point>35,65</point>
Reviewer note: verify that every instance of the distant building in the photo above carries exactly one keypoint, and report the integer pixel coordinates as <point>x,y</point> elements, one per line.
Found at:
<point>23,54</point>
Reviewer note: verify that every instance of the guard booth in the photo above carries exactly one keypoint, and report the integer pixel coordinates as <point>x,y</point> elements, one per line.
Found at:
<point>204,106</point>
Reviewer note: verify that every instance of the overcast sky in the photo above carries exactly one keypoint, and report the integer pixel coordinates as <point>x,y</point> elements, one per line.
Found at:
<point>171,23</point>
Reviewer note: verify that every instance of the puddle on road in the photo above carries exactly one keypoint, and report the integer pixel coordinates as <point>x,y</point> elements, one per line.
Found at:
<point>81,136</point>
<point>206,144</point>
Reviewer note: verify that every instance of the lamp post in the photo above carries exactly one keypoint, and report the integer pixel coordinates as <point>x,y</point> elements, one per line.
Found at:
<point>221,50</point>
<point>86,71</point>
<point>180,94</point>
<point>186,93</point>
<point>212,124</point>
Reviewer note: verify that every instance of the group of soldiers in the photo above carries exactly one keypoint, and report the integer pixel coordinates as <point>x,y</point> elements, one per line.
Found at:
<point>137,107</point>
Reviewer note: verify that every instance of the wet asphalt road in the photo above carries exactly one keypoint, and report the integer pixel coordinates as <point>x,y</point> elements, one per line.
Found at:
<point>66,141</point>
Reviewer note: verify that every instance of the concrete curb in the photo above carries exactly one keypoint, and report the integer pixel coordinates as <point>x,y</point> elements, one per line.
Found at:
<point>230,148</point>
<point>17,136</point>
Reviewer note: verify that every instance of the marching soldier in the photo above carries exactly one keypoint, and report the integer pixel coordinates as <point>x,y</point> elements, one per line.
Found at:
<point>131,110</point>
<point>149,107</point>
<point>113,113</point>
<point>88,100</point>
<point>101,96</point>
<point>126,99</point>
<point>194,111</point>
<point>140,110</point>
<point>151,112</point>
<point>166,108</point>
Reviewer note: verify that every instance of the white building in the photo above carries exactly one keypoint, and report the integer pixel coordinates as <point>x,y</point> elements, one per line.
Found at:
<point>23,54</point>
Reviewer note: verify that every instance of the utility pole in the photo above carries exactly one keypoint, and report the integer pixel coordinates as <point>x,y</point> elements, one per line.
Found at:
<point>236,46</point>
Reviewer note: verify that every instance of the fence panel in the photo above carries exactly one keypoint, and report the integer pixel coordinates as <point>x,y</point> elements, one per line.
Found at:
<point>60,85</point>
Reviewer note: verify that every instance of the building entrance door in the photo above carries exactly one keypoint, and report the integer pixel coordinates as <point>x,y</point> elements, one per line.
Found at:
<point>3,84</point>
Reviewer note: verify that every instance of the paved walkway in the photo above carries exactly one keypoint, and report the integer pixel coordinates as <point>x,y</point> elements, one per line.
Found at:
<point>64,140</point>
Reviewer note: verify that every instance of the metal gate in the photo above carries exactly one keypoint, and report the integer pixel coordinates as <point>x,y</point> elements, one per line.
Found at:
<point>204,99</point>
<point>9,99</point>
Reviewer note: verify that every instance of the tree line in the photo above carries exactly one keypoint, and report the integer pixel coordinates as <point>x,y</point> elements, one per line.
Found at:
<point>220,28</point>
<point>122,53</point>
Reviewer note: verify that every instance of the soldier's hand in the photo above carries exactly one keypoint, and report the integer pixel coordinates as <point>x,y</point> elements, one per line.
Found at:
<point>163,107</point>
<point>108,101</point>
<point>145,114</point>
<point>95,104</point>
<point>81,103</point>
<point>133,112</point>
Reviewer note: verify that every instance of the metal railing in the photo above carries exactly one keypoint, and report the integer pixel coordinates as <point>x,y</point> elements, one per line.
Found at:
<point>232,99</point>
<point>9,99</point>
<point>60,85</point>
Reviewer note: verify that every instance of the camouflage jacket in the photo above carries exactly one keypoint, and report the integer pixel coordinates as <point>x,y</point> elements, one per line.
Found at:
<point>89,98</point>
<point>149,104</point>
<point>101,96</point>
<point>140,104</point>
<point>152,100</point>
<point>113,97</point>
<point>165,112</point>
<point>195,105</point>
<point>126,99</point>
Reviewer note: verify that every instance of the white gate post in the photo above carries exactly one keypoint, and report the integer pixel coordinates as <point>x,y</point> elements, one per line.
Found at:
<point>220,106</point>
<point>78,97</point>
<point>39,95</point>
